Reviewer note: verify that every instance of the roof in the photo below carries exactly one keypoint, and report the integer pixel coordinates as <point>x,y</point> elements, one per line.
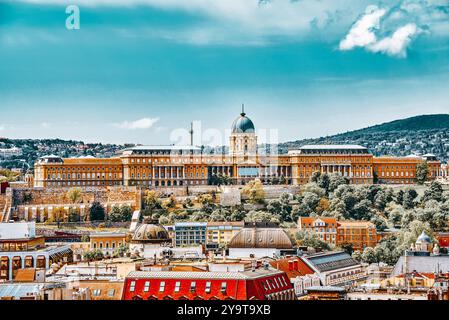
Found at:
<point>275,238</point>
<point>107,234</point>
<point>259,272</point>
<point>162,148</point>
<point>308,220</point>
<point>242,124</point>
<point>19,290</point>
<point>422,264</point>
<point>423,238</point>
<point>362,224</point>
<point>25,275</point>
<point>150,233</point>
<point>332,146</point>
<point>326,289</point>
<point>330,261</point>
<point>292,269</point>
<point>103,289</point>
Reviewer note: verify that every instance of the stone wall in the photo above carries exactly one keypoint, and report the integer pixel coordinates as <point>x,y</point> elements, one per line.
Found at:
<point>42,204</point>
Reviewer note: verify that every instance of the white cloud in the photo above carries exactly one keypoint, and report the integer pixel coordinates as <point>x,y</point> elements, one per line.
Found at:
<point>144,123</point>
<point>388,31</point>
<point>2,127</point>
<point>362,32</point>
<point>397,44</point>
<point>45,125</point>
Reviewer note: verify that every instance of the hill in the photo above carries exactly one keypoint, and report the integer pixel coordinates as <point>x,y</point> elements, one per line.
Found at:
<point>416,135</point>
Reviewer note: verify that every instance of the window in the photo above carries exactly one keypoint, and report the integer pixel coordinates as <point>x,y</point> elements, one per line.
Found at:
<point>193,286</point>
<point>177,286</point>
<point>146,287</point>
<point>224,285</point>
<point>96,292</point>
<point>132,286</point>
<point>162,286</point>
<point>208,286</point>
<point>111,292</point>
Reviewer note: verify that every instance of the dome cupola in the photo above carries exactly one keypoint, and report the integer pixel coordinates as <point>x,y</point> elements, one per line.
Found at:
<point>243,124</point>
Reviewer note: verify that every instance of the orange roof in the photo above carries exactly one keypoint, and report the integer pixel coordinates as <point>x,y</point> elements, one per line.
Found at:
<point>356,223</point>
<point>312,219</point>
<point>25,275</point>
<point>291,271</point>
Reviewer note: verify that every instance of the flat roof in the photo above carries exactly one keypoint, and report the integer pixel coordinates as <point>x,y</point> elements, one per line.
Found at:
<point>162,147</point>
<point>332,146</point>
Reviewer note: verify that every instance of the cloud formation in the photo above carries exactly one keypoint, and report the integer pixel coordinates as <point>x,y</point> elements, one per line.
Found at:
<point>362,32</point>
<point>144,123</point>
<point>383,30</point>
<point>397,44</point>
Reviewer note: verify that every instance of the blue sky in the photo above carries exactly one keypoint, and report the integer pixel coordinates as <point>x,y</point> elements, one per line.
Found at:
<point>138,69</point>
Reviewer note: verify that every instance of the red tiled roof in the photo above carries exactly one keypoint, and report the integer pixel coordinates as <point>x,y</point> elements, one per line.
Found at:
<point>292,269</point>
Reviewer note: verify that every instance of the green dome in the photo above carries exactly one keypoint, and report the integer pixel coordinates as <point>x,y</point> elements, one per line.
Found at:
<point>243,124</point>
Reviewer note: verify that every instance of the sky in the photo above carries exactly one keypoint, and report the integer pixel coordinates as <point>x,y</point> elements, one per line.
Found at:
<point>139,71</point>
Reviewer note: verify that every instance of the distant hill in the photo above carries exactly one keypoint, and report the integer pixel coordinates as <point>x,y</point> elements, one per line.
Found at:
<point>423,122</point>
<point>416,135</point>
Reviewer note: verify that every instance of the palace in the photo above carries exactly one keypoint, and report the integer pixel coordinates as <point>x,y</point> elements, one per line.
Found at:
<point>174,165</point>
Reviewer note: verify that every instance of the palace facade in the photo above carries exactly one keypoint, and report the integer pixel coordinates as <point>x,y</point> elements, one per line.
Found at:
<point>171,166</point>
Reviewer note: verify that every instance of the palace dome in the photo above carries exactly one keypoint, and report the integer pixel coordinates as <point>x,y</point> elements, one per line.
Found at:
<point>275,238</point>
<point>424,238</point>
<point>151,233</point>
<point>243,124</point>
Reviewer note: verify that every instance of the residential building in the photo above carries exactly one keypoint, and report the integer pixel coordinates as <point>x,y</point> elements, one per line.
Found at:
<point>190,233</point>
<point>299,273</point>
<point>218,234</point>
<point>325,228</point>
<point>335,268</point>
<point>257,284</point>
<point>359,234</point>
<point>107,242</point>
<point>20,248</point>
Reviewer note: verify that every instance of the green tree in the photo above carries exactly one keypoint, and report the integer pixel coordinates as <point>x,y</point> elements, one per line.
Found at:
<point>422,172</point>
<point>151,199</point>
<point>308,239</point>
<point>75,195</point>
<point>357,255</point>
<point>97,212</point>
<point>434,192</point>
<point>254,191</point>
<point>369,255</point>
<point>74,216</point>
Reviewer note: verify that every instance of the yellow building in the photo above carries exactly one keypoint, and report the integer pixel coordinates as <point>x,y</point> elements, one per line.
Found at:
<point>107,242</point>
<point>220,233</point>
<point>168,166</point>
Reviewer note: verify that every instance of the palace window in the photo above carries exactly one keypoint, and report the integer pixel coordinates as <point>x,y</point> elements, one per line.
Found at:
<point>132,286</point>
<point>146,287</point>
<point>162,286</point>
<point>177,286</point>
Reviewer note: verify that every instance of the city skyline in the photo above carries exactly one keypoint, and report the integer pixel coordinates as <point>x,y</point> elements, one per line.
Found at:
<point>136,70</point>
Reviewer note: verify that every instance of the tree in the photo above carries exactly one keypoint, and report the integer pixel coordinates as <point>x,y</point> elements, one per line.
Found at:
<point>357,255</point>
<point>347,247</point>
<point>434,192</point>
<point>369,255</point>
<point>261,216</point>
<point>126,213</point>
<point>311,240</point>
<point>115,215</point>
<point>254,191</point>
<point>151,200</point>
<point>410,195</point>
<point>422,172</point>
<point>94,255</point>
<point>96,212</point>
<point>74,216</point>
<point>75,195</point>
